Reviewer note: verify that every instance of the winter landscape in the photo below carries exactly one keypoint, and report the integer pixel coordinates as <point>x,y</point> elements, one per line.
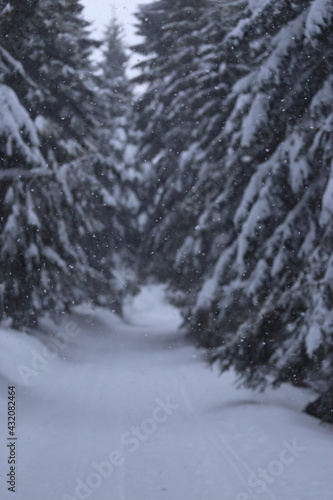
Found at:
<point>166,232</point>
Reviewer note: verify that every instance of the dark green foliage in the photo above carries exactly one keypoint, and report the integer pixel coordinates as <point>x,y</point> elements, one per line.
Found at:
<point>241,210</point>
<point>56,186</point>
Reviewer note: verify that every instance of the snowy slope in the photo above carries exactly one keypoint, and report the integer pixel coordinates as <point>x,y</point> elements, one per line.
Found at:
<point>126,410</point>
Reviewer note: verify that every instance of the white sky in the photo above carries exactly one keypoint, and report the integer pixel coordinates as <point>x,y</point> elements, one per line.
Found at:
<point>101,11</point>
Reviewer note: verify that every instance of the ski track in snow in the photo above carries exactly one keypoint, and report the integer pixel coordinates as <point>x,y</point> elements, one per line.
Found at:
<point>111,376</point>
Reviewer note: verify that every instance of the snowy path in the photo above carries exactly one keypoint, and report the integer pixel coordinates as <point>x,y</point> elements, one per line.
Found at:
<point>135,394</point>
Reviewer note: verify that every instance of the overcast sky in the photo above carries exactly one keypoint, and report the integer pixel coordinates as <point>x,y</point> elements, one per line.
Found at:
<point>101,11</point>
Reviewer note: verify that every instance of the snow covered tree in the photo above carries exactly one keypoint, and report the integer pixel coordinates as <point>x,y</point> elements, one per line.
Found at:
<point>48,134</point>
<point>242,192</point>
<point>115,165</point>
<point>116,89</point>
<point>55,41</point>
<point>266,307</point>
<point>201,166</point>
<point>173,35</point>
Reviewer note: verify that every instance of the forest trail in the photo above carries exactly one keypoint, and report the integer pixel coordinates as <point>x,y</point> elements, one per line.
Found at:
<point>128,411</point>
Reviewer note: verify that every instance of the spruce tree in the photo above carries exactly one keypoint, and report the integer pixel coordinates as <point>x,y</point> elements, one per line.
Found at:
<point>172,41</point>
<point>50,190</point>
<point>266,308</point>
<point>254,252</point>
<point>117,167</point>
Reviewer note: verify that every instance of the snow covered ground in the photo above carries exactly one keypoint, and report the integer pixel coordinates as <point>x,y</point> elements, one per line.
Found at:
<point>112,409</point>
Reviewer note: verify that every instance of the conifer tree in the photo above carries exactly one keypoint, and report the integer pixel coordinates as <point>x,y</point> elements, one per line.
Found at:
<point>50,190</point>
<point>254,254</point>
<point>266,308</point>
<point>117,166</point>
<point>172,41</point>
